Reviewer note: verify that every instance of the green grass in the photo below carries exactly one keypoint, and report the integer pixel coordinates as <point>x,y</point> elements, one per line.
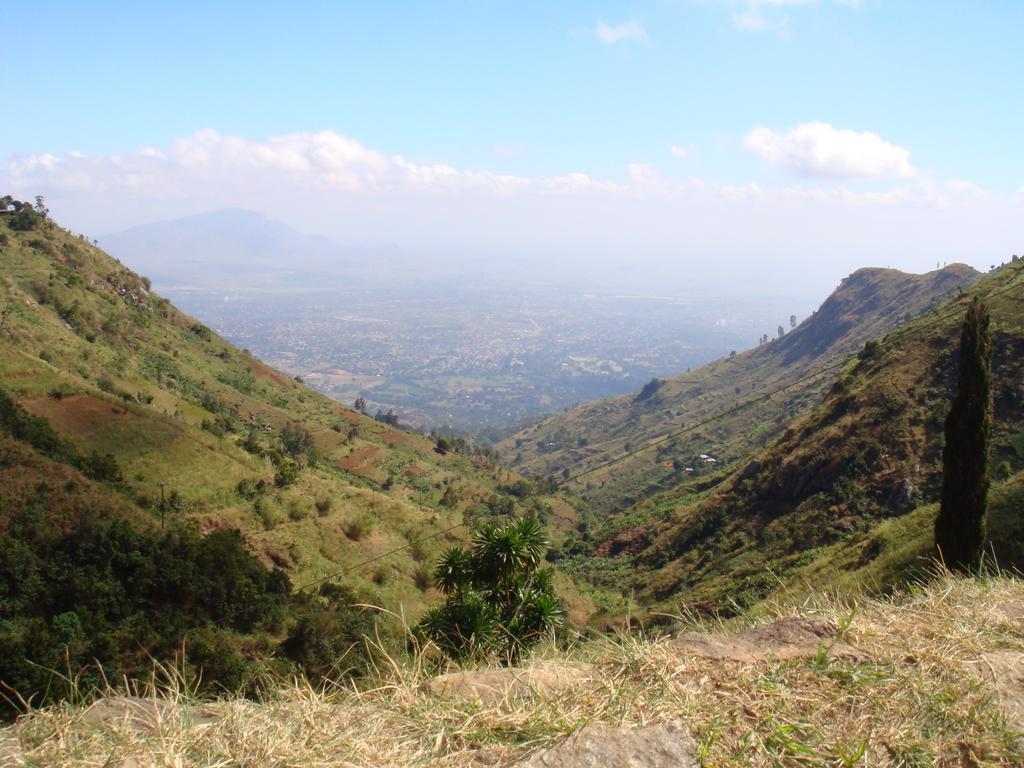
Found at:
<point>821,503</point>
<point>79,322</point>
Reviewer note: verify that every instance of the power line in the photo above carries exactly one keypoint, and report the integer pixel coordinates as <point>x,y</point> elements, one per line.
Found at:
<point>888,339</point>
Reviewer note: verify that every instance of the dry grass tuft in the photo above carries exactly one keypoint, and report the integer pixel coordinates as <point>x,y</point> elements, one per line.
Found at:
<point>923,700</point>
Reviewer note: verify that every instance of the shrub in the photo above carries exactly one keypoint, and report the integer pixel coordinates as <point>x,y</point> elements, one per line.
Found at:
<point>422,577</point>
<point>296,511</point>
<point>499,601</point>
<point>106,593</point>
<point>359,527</point>
<point>327,640</point>
<point>296,440</point>
<point>286,474</point>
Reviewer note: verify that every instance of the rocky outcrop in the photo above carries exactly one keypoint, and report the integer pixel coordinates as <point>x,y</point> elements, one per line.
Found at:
<point>491,686</point>
<point>668,745</point>
<point>792,638</point>
<point>141,715</point>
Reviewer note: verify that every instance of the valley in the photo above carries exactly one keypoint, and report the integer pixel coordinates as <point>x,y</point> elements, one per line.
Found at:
<point>479,358</point>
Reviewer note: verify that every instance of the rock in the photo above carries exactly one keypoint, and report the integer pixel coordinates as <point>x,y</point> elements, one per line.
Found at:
<point>144,715</point>
<point>668,745</point>
<point>793,638</point>
<point>1006,670</point>
<point>490,686</point>
<point>131,712</point>
<point>1011,612</point>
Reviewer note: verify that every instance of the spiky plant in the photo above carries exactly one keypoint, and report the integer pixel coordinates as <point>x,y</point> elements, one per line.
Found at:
<point>499,600</point>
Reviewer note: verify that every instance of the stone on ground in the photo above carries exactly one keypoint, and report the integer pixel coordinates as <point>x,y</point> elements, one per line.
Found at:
<point>668,745</point>
<point>491,686</point>
<point>142,715</point>
<point>1006,670</point>
<point>793,638</point>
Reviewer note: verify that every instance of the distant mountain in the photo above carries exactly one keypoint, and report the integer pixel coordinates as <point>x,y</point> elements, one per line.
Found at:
<point>236,249</point>
<point>866,305</point>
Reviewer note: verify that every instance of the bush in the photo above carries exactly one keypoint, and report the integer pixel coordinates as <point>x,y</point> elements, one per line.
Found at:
<point>297,441</point>
<point>327,640</point>
<point>359,527</point>
<point>286,474</point>
<point>296,511</point>
<point>499,601</point>
<point>24,220</point>
<point>107,593</point>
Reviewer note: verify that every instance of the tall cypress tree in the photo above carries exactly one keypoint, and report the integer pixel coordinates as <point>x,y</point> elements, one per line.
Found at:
<point>961,523</point>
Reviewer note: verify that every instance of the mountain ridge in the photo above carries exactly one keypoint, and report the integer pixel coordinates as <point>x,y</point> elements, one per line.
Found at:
<point>846,491</point>
<point>865,305</point>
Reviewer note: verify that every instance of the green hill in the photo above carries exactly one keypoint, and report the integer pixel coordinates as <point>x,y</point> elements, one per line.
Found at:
<point>866,305</point>
<point>124,420</point>
<point>846,493</point>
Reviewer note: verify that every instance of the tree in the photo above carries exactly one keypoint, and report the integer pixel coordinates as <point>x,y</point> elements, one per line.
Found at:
<point>792,321</point>
<point>960,526</point>
<point>296,441</point>
<point>781,332</point>
<point>500,602</point>
<point>360,404</point>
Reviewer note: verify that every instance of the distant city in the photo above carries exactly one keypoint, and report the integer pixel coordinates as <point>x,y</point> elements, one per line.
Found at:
<point>480,358</point>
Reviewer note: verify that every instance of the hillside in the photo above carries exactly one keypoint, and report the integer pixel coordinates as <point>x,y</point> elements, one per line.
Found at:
<point>932,678</point>
<point>846,493</point>
<point>115,407</point>
<point>866,305</point>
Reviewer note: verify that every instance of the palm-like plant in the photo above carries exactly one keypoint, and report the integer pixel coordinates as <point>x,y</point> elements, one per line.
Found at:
<point>454,570</point>
<point>499,601</point>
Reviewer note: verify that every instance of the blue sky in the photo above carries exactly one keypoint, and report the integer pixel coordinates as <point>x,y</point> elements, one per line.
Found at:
<point>929,95</point>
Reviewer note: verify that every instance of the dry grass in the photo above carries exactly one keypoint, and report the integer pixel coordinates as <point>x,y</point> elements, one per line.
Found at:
<point>920,702</point>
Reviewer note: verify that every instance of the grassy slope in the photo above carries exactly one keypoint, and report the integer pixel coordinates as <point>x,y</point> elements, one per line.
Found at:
<point>866,305</point>
<point>74,319</point>
<point>846,493</point>
<point>923,696</point>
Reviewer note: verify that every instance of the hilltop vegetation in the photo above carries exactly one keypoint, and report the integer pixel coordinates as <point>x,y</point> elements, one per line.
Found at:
<point>865,306</point>
<point>846,493</point>
<point>127,422</point>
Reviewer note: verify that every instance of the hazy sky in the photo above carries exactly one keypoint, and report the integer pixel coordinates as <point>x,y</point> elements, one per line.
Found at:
<point>775,142</point>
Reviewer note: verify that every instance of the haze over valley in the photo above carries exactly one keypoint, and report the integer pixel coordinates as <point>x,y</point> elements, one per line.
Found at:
<point>541,385</point>
<point>461,345</point>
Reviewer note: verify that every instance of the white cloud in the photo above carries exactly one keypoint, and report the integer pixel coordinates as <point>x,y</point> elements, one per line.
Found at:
<point>817,149</point>
<point>685,153</point>
<point>325,159</point>
<point>610,34</point>
<point>770,16</point>
<point>649,225</point>
<point>754,21</point>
